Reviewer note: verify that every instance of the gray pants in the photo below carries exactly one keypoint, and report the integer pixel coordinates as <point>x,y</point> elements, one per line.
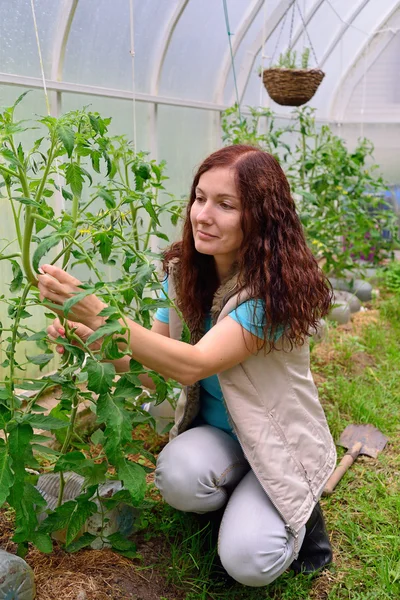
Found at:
<point>203,469</point>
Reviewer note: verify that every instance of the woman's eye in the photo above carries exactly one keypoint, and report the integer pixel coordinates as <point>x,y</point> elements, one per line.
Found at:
<point>226,206</point>
<point>199,199</point>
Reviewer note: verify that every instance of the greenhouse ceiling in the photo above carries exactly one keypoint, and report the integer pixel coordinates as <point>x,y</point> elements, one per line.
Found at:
<point>181,52</point>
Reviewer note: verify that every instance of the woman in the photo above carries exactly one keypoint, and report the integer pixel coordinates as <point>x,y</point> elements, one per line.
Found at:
<point>249,430</point>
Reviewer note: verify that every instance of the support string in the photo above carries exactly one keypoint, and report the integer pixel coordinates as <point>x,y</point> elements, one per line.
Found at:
<point>232,58</point>
<point>132,53</point>
<point>263,52</point>
<point>40,58</point>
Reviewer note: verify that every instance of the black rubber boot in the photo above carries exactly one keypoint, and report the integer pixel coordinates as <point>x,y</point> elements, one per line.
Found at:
<point>316,551</point>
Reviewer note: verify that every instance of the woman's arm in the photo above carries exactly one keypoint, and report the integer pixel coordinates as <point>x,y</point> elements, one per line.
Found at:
<point>224,346</point>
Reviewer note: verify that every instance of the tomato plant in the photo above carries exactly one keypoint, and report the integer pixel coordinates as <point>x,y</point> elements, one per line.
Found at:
<point>112,212</point>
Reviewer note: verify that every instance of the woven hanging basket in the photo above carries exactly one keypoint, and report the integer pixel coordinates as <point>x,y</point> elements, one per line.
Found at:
<point>292,87</point>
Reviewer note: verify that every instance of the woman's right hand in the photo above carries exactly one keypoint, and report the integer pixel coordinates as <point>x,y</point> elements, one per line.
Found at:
<point>56,329</point>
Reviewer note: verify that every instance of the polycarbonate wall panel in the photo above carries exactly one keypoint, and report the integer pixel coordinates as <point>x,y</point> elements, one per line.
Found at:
<point>185,137</point>
<point>351,46</point>
<point>197,49</point>
<point>121,112</point>
<point>376,97</point>
<point>98,48</point>
<point>386,139</point>
<point>18,46</point>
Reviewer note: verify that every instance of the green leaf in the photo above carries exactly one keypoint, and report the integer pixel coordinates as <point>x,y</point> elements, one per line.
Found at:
<point>82,511</point>
<point>68,304</point>
<point>66,136</point>
<point>97,437</point>
<point>185,335</point>
<point>26,201</point>
<point>66,194</point>
<point>43,542</point>
<point>111,411</point>
<point>148,206</point>
<point>104,239</point>
<point>82,542</point>
<point>16,283</point>
<point>6,475</point>
<point>134,479</point>
<point>119,542</point>
<point>95,157</point>
<point>144,171</point>
<point>5,416</point>
<point>43,248</point>
<point>100,376</point>
<point>40,359</point>
<point>107,196</point>
<point>59,518</point>
<point>74,177</point>
<point>94,473</point>
<point>20,98</point>
<point>109,311</point>
<point>109,328</point>
<point>45,450</point>
<point>45,422</point>
<point>70,461</point>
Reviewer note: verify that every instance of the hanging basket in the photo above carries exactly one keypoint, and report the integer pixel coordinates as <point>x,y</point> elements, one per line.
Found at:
<point>292,87</point>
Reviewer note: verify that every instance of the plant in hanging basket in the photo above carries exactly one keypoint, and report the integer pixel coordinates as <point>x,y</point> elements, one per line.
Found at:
<point>290,85</point>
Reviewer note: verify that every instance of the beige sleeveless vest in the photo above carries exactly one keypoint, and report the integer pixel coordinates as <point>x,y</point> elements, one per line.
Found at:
<point>273,405</point>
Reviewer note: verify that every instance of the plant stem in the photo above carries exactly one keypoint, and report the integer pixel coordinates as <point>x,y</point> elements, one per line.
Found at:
<point>65,446</point>
<point>35,215</point>
<point>16,217</point>
<point>15,255</point>
<point>11,351</point>
<point>29,220</point>
<point>74,214</point>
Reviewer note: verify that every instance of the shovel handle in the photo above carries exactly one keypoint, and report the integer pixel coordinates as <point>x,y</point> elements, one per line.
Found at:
<point>341,469</point>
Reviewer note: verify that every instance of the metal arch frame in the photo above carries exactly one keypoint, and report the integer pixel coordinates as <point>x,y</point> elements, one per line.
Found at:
<point>241,31</point>
<point>342,94</point>
<point>156,74</point>
<point>247,65</point>
<point>164,45</point>
<point>342,31</point>
<point>66,16</point>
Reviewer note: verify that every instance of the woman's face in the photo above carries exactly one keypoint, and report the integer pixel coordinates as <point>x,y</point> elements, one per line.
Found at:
<point>215,215</point>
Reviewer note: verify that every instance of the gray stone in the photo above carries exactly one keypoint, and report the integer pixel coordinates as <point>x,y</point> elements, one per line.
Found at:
<point>347,298</point>
<point>320,332</point>
<point>362,289</point>
<point>340,314</point>
<point>16,578</point>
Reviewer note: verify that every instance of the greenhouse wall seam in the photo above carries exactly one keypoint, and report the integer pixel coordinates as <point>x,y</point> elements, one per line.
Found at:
<point>342,93</point>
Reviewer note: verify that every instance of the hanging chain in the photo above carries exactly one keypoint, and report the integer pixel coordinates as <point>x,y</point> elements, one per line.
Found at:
<point>291,26</point>
<point>279,36</point>
<point>305,29</point>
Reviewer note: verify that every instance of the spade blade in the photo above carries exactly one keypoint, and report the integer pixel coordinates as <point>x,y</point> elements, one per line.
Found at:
<point>373,441</point>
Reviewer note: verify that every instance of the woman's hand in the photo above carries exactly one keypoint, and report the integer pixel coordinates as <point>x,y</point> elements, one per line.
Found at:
<point>58,286</point>
<point>56,329</point>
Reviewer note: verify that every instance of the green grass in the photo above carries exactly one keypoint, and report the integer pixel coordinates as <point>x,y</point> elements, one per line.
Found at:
<point>363,514</point>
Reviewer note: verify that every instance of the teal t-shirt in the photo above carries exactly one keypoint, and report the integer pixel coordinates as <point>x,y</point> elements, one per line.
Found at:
<point>251,316</point>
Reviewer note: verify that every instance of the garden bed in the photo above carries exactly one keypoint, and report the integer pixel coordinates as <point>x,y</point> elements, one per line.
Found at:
<point>357,372</point>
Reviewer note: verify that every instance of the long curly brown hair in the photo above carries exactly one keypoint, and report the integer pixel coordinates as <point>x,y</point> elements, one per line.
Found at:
<point>274,262</point>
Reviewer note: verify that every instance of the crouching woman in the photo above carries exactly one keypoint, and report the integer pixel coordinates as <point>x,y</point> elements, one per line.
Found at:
<point>250,434</point>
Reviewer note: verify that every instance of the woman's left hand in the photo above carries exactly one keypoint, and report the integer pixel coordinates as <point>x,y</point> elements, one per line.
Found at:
<point>58,286</point>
